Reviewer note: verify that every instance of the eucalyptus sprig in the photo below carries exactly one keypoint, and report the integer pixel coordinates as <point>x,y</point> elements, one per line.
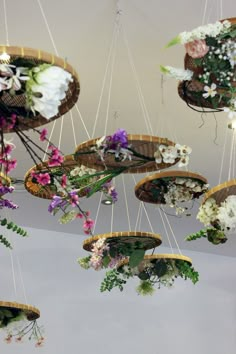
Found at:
<point>10,225</point>
<point>213,235</point>
<point>112,280</point>
<point>187,271</point>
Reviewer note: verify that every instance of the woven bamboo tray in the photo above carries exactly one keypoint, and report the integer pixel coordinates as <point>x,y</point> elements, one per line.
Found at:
<point>186,89</point>
<point>31,313</point>
<point>148,239</point>
<point>221,192</point>
<point>143,144</point>
<point>46,192</point>
<point>154,257</point>
<point>18,101</point>
<point>144,188</point>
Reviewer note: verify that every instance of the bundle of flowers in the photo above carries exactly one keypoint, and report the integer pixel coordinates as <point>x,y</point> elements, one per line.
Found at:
<point>15,323</point>
<point>108,253</point>
<point>170,189</point>
<point>220,220</point>
<point>209,78</point>
<point>44,87</point>
<point>118,145</point>
<point>151,271</point>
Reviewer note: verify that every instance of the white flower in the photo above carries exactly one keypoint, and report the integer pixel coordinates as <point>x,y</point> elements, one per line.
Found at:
<point>46,88</point>
<point>168,153</point>
<point>208,212</point>
<point>231,112</point>
<point>176,73</point>
<point>210,91</point>
<point>157,156</point>
<point>227,214</point>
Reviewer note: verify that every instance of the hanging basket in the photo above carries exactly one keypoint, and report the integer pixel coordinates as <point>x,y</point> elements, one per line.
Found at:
<point>13,311</point>
<point>156,257</point>
<point>152,189</point>
<point>47,191</point>
<point>144,145</point>
<point>147,239</point>
<point>17,103</point>
<point>221,192</point>
<point>192,91</point>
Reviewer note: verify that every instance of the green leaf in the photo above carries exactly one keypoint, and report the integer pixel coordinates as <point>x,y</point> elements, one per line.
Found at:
<point>136,258</point>
<point>160,268</point>
<point>174,41</point>
<point>106,260</point>
<point>4,222</point>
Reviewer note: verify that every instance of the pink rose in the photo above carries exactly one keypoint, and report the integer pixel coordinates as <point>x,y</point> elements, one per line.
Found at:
<point>197,48</point>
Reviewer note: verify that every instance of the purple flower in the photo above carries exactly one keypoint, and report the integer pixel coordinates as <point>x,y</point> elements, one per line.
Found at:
<point>5,203</point>
<point>57,202</point>
<point>120,137</point>
<point>6,189</point>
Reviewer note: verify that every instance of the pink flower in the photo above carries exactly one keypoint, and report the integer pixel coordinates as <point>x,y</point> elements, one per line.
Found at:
<point>88,225</point>
<point>63,181</point>
<point>19,339</point>
<point>8,149</point>
<point>10,165</point>
<point>197,48</point>
<point>43,134</point>
<point>43,178</point>
<point>8,339</point>
<point>55,161</point>
<point>79,215</point>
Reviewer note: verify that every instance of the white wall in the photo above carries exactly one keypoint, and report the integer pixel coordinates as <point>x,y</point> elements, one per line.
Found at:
<point>188,319</point>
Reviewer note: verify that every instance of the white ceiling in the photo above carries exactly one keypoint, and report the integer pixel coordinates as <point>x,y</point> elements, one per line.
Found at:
<point>76,316</point>
<point>81,31</point>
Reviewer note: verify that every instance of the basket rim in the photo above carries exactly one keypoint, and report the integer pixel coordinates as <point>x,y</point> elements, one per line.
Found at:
<point>173,173</point>
<point>87,244</point>
<point>39,55</point>
<point>160,256</point>
<point>29,310</point>
<point>218,188</point>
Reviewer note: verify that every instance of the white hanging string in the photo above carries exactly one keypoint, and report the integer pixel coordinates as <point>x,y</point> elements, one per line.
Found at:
<point>138,86</point>
<point>112,213</point>
<point>82,120</point>
<point>13,272</point>
<point>21,278</point>
<point>111,79</point>
<point>172,232</point>
<point>105,76</point>
<point>223,155</point>
<point>204,12</point>
<point>146,213</point>
<point>60,135</point>
<point>126,203</point>
<point>73,128</point>
<point>98,210</point>
<point>5,22</point>
<point>49,140</point>
<point>138,216</point>
<point>47,26</point>
<point>167,234</point>
<point>221,9</point>
<point>231,156</point>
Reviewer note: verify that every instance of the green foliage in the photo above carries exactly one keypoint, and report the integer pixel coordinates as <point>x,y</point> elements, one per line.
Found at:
<point>187,271</point>
<point>112,279</point>
<point>136,257</point>
<point>160,268</point>
<point>213,235</point>
<point>84,262</point>
<point>10,225</point>
<point>145,288</point>
<point>5,242</point>
<point>9,315</point>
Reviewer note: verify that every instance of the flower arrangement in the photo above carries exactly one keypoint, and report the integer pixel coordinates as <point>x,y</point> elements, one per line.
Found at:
<point>15,323</point>
<point>155,269</point>
<point>220,220</point>
<point>107,253</point>
<point>121,150</point>
<point>44,87</point>
<point>171,189</point>
<point>209,78</point>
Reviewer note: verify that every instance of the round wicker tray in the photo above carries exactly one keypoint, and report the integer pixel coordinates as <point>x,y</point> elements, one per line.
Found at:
<point>186,89</point>
<point>154,257</point>
<point>143,144</point>
<point>221,192</point>
<point>46,192</point>
<point>149,240</point>
<point>31,313</point>
<point>18,101</point>
<point>144,189</point>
